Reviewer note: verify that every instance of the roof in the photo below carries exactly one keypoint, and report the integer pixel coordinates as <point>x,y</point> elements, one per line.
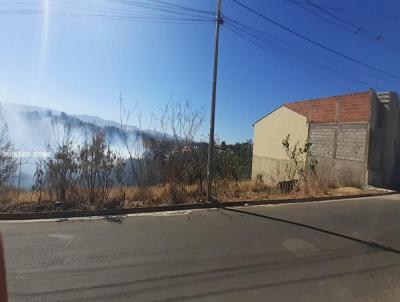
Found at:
<point>352,107</point>
<point>264,116</point>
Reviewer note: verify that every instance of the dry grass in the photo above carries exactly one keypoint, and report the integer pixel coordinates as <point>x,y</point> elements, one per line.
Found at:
<point>133,197</point>
<point>346,191</point>
<point>23,196</point>
<point>165,194</point>
<point>256,190</point>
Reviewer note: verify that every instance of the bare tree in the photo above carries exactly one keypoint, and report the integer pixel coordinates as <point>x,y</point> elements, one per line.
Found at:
<point>299,164</point>
<point>39,180</point>
<point>137,144</point>
<point>99,169</point>
<point>61,169</point>
<point>8,164</point>
<point>83,173</point>
<point>131,140</point>
<point>180,123</point>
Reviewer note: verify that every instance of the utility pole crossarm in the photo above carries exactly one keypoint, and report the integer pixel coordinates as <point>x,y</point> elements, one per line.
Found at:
<point>218,22</point>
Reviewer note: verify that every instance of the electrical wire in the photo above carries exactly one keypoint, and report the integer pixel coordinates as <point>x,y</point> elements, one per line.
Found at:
<point>162,8</point>
<point>166,11</point>
<point>157,19</point>
<point>350,11</point>
<point>281,50</point>
<point>184,7</point>
<point>338,53</point>
<point>279,56</point>
<point>174,13</point>
<point>346,25</point>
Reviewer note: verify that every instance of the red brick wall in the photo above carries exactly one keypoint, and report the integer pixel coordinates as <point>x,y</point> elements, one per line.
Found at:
<point>351,108</point>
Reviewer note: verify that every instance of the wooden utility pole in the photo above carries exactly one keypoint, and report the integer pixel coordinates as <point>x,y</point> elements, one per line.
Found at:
<point>210,172</point>
<point>19,178</point>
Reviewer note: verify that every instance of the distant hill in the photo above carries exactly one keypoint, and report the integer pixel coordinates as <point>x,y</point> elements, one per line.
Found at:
<point>37,129</point>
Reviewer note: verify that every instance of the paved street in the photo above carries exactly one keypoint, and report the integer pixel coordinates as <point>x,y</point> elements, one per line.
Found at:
<point>328,251</point>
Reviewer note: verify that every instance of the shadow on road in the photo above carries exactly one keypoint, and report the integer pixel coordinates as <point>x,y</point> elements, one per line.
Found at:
<point>365,242</point>
<point>258,286</point>
<point>169,281</point>
<point>164,282</point>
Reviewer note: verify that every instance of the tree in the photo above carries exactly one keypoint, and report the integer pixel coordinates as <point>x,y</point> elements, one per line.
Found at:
<point>185,158</point>
<point>61,169</point>
<point>99,169</point>
<point>233,161</point>
<point>130,140</point>
<point>85,173</point>
<point>137,146</point>
<point>299,163</point>
<point>8,163</point>
<point>39,180</point>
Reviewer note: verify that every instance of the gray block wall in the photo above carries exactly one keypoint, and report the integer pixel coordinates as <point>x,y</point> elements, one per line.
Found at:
<point>322,137</point>
<point>340,150</point>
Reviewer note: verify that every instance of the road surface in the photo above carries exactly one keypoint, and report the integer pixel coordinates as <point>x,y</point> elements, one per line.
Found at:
<point>344,250</point>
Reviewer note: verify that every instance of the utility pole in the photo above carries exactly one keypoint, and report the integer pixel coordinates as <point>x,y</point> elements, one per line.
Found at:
<point>210,170</point>
<point>19,178</point>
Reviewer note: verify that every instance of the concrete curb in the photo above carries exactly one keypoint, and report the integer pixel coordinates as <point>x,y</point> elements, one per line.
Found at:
<point>115,212</point>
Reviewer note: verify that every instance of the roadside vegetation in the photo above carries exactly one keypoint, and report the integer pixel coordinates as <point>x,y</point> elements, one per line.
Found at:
<point>163,164</point>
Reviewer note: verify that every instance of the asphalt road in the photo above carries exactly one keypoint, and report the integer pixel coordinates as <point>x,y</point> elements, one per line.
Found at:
<point>344,250</point>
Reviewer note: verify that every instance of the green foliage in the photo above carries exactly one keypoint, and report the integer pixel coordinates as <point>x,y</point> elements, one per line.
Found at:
<point>233,161</point>
<point>299,160</point>
<point>187,164</point>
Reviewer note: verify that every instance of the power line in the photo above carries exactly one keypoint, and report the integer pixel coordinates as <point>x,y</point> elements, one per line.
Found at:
<point>86,7</point>
<point>165,13</point>
<point>168,11</point>
<point>160,7</point>
<point>284,50</point>
<point>345,25</point>
<point>334,16</point>
<point>301,5</point>
<point>294,46</point>
<point>156,19</point>
<point>277,55</point>
<point>278,39</point>
<point>350,11</point>
<point>315,42</point>
<point>152,4</point>
<point>184,7</point>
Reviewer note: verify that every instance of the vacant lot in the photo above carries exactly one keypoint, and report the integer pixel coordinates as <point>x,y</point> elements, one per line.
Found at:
<point>132,197</point>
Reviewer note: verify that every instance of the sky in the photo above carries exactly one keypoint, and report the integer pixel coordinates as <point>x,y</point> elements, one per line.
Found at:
<point>52,54</point>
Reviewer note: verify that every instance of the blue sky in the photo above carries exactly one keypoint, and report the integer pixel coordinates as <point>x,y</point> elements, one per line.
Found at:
<point>80,65</point>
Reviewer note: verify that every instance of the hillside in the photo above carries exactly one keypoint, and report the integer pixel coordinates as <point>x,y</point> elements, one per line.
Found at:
<point>37,129</point>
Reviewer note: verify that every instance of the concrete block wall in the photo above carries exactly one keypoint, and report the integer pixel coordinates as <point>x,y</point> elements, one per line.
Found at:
<point>351,142</point>
<point>340,150</point>
<point>322,137</point>
<point>340,172</point>
<point>338,131</point>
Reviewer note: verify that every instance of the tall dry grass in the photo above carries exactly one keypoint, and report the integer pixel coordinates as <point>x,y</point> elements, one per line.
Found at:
<point>165,194</point>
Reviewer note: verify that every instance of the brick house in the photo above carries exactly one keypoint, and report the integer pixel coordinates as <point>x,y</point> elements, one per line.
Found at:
<point>355,138</point>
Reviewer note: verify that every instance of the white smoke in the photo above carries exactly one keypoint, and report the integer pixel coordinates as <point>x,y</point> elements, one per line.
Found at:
<point>34,130</point>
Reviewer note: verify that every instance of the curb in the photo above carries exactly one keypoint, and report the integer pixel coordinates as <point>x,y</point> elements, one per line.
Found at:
<point>215,205</point>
